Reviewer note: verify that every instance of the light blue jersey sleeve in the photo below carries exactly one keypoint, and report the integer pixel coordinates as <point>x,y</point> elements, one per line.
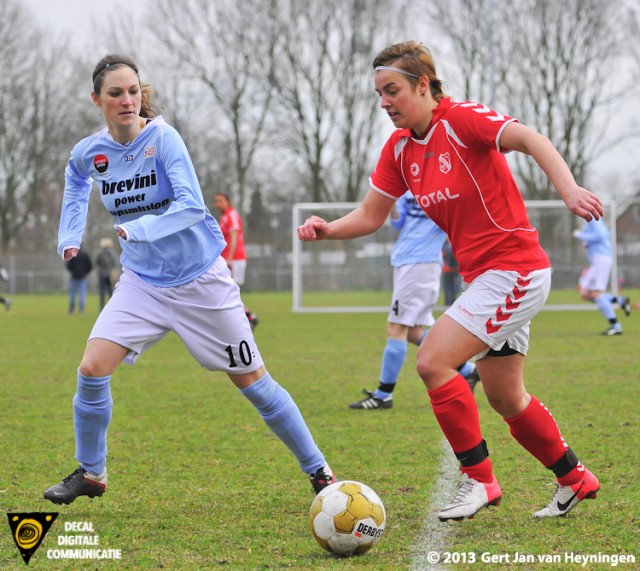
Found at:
<point>75,204</point>
<point>401,209</point>
<point>186,209</point>
<point>151,189</point>
<point>596,237</point>
<point>420,240</point>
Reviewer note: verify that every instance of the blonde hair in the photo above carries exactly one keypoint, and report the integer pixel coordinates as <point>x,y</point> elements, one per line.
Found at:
<point>416,59</point>
<point>116,61</point>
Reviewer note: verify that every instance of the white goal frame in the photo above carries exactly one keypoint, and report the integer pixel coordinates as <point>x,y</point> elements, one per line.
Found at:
<point>319,207</point>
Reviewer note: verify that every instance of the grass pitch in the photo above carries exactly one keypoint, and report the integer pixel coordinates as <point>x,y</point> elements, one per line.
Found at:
<point>197,481</point>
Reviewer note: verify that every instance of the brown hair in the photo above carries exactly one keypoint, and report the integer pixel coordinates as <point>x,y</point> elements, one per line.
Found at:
<point>116,61</point>
<point>416,59</point>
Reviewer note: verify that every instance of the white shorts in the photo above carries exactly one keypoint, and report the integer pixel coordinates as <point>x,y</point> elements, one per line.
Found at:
<point>238,269</point>
<point>597,275</point>
<point>415,293</point>
<point>497,307</point>
<point>206,313</point>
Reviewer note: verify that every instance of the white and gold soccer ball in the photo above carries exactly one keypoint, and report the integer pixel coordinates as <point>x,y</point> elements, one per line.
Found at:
<point>347,518</point>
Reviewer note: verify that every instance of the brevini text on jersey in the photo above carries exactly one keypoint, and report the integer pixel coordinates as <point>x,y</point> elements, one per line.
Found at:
<point>151,189</point>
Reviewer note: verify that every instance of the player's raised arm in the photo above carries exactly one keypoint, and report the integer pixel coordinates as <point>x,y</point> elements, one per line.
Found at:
<point>365,219</point>
<point>578,200</point>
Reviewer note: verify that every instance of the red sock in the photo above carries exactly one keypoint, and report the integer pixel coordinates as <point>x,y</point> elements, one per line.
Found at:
<point>457,414</point>
<point>537,432</point>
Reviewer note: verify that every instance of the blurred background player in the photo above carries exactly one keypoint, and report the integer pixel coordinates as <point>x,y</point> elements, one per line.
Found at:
<point>106,262</point>
<point>451,279</point>
<point>234,253</point>
<point>417,265</point>
<point>4,276</point>
<point>79,267</point>
<point>594,281</point>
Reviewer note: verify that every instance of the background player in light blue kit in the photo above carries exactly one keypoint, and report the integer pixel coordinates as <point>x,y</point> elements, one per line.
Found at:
<point>174,278</point>
<point>595,279</point>
<point>4,276</point>
<point>417,266</point>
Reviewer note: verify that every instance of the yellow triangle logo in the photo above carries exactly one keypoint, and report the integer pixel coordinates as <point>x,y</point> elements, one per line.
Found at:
<point>28,531</point>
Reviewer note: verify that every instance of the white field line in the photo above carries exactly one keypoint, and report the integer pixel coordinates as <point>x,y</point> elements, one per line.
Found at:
<point>435,533</point>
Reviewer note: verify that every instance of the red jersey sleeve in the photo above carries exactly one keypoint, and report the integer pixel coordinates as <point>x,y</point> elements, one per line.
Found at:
<point>234,222</point>
<point>387,177</point>
<point>480,125</point>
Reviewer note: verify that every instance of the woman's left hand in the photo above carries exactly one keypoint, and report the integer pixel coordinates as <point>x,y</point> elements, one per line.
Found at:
<point>583,203</point>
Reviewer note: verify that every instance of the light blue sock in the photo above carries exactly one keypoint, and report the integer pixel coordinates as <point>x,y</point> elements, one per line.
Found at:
<point>606,307</point>
<point>395,352</point>
<point>92,406</point>
<point>619,299</point>
<point>282,415</point>
<point>466,369</point>
<point>424,334</point>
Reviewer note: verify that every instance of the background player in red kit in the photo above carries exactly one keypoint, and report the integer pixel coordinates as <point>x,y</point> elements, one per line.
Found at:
<point>450,156</point>
<point>234,253</point>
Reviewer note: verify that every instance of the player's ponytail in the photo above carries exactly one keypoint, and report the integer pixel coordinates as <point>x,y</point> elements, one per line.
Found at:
<point>147,109</point>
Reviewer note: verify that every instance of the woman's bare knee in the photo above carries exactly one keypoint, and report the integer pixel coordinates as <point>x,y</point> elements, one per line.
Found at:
<point>509,406</point>
<point>101,358</point>
<point>244,380</point>
<point>433,372</point>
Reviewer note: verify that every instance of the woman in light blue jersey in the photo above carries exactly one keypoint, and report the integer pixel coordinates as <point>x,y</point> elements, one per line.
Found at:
<point>594,281</point>
<point>417,266</point>
<point>174,278</point>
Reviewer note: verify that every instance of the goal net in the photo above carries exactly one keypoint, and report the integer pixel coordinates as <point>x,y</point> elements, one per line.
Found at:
<point>333,276</point>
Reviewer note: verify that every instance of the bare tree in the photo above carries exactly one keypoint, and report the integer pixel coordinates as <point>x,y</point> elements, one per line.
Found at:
<point>474,36</point>
<point>227,46</point>
<point>36,116</point>
<point>547,63</point>
<point>365,28</point>
<point>326,88</point>
<point>304,78</point>
<point>632,19</point>
<point>559,79</point>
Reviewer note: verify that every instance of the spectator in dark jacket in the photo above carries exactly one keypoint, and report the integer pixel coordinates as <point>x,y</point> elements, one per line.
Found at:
<point>79,268</point>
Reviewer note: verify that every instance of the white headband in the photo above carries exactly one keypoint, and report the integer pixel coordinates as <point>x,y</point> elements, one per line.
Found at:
<point>393,68</point>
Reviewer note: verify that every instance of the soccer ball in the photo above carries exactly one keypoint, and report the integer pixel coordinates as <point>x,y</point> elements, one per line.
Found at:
<point>347,518</point>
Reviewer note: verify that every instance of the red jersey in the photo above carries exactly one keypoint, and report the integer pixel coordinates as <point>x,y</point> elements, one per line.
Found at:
<point>229,221</point>
<point>461,179</point>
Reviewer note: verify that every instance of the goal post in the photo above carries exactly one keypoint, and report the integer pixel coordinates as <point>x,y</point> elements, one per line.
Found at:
<point>351,276</point>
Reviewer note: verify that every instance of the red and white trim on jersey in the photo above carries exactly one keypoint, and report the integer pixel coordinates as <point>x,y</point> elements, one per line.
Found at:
<point>460,177</point>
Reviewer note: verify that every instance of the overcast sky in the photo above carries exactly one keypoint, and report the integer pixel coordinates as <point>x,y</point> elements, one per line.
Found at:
<point>76,18</point>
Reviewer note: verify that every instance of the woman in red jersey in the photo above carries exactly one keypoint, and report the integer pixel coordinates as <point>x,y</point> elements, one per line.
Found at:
<point>451,157</point>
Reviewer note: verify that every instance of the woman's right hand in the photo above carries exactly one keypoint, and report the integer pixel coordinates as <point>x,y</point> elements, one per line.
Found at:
<point>314,228</point>
<point>70,253</point>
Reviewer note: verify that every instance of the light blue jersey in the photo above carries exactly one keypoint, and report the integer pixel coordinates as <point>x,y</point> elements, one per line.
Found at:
<point>420,240</point>
<point>151,189</point>
<point>596,237</point>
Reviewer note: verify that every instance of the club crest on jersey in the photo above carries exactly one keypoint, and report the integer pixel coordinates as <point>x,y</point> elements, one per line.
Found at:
<point>101,163</point>
<point>150,152</point>
<point>444,160</point>
<point>414,169</point>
